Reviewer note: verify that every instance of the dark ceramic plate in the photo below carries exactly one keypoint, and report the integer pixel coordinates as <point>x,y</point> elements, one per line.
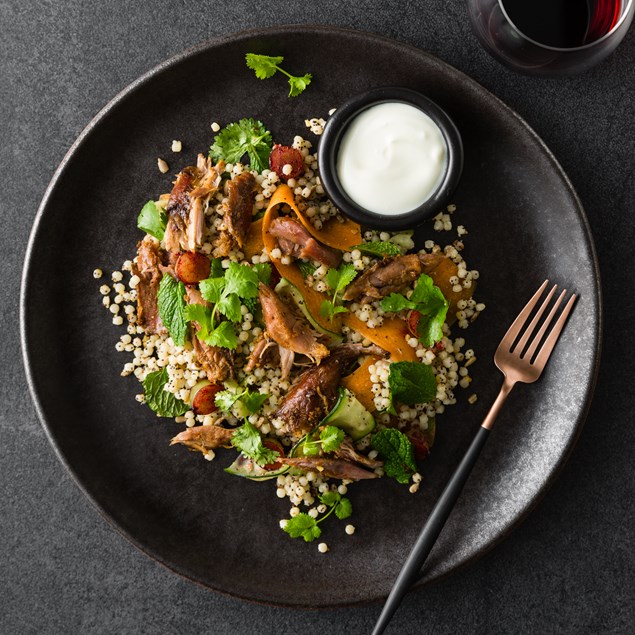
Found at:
<point>525,224</point>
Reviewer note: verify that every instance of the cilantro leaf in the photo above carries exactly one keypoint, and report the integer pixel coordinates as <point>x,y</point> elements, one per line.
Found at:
<point>297,85</point>
<point>433,308</point>
<point>265,66</point>
<point>330,310</point>
<point>241,280</point>
<point>377,248</point>
<point>263,271</point>
<point>164,403</point>
<point>247,136</point>
<point>306,268</point>
<point>171,305</point>
<point>223,335</point>
<point>330,498</point>
<point>303,526</point>
<point>212,289</point>
<point>253,401</point>
<point>152,220</point>
<point>229,305</point>
<point>429,301</point>
<point>339,279</point>
<point>247,439</point>
<point>331,438</point>
<point>344,508</point>
<point>397,452</point>
<point>225,399</point>
<point>411,383</point>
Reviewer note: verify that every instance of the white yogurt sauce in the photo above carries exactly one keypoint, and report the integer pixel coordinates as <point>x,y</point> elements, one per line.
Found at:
<point>392,157</point>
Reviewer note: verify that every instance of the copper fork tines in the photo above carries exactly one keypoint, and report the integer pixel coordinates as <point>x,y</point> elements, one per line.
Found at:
<point>521,357</point>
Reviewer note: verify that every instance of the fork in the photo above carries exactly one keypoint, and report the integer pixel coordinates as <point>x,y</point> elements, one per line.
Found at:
<point>520,360</point>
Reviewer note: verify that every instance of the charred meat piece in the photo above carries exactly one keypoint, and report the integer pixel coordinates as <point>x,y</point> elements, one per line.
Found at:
<point>185,207</point>
<point>347,452</point>
<point>264,353</point>
<point>315,391</point>
<point>217,362</point>
<point>148,268</point>
<point>390,276</point>
<point>294,240</point>
<point>332,468</point>
<point>204,438</point>
<point>288,328</point>
<point>239,211</point>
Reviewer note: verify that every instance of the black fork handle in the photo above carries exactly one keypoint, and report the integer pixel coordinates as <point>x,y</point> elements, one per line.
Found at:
<point>431,530</point>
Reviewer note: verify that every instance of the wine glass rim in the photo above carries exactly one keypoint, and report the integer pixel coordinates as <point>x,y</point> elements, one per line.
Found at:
<point>616,26</point>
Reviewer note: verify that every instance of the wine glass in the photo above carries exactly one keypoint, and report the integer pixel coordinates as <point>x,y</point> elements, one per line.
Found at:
<point>550,37</point>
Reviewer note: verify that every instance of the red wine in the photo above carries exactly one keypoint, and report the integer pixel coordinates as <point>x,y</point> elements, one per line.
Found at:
<point>563,23</point>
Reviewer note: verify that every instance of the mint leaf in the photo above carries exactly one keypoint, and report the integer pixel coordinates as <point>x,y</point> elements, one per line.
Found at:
<point>171,304</point>
<point>164,403</point>
<point>303,526</point>
<point>331,438</point>
<point>247,439</point>
<point>344,508</point>
<point>247,136</point>
<point>152,220</point>
<point>397,452</point>
<point>377,248</point>
<point>411,383</point>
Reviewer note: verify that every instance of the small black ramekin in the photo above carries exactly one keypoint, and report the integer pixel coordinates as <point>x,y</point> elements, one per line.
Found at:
<point>329,147</point>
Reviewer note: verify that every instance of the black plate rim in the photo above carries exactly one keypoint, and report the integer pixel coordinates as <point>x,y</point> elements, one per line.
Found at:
<point>309,29</point>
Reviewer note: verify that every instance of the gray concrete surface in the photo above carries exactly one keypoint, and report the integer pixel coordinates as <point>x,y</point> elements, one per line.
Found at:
<point>569,568</point>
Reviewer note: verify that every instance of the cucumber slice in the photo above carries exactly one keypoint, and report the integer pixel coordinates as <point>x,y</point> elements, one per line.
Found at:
<point>247,468</point>
<point>286,288</point>
<point>349,414</point>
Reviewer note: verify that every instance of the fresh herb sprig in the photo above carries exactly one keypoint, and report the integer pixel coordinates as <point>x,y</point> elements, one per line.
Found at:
<point>397,452</point>
<point>329,440</point>
<point>250,402</point>
<point>429,301</point>
<point>247,439</point>
<point>164,403</point>
<point>246,136</point>
<point>411,383</point>
<point>266,66</point>
<point>226,293</point>
<point>378,248</point>
<point>171,305</point>
<point>307,527</point>
<point>152,220</point>
<point>338,280</point>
